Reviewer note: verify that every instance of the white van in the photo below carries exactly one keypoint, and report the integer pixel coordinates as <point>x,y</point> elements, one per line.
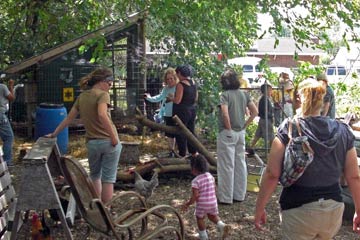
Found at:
<point>250,67</point>
<point>335,73</point>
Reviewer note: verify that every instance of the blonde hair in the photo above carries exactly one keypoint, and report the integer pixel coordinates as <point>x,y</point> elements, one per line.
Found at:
<point>171,71</point>
<point>94,77</point>
<point>313,92</point>
<point>244,83</point>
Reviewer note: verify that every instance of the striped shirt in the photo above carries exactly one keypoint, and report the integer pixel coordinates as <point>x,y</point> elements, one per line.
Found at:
<point>205,183</point>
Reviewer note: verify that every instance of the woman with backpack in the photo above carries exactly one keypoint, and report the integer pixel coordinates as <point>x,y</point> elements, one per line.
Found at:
<point>312,207</point>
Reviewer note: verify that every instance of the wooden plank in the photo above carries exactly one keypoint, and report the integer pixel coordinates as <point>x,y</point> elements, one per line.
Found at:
<point>10,194</point>
<point>3,202</point>
<point>4,222</point>
<point>6,236</point>
<point>5,181</point>
<point>71,211</point>
<point>3,167</point>
<point>11,216</point>
<point>41,149</point>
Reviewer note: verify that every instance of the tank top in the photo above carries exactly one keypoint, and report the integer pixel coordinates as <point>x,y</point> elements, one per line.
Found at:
<point>189,94</point>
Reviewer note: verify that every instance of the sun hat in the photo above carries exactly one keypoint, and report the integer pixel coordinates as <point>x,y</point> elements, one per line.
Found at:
<point>321,76</point>
<point>264,87</point>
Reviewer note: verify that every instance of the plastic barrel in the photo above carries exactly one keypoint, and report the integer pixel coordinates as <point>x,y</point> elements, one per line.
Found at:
<point>48,117</point>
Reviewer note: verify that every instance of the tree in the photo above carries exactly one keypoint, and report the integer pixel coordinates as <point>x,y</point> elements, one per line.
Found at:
<point>193,31</point>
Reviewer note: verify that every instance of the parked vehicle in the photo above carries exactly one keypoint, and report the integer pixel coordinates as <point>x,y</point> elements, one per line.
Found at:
<point>250,67</point>
<point>336,73</point>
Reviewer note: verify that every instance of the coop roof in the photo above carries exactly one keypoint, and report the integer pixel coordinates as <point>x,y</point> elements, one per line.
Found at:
<point>107,31</point>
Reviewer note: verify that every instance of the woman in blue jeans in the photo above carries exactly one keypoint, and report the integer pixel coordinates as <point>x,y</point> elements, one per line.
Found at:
<point>6,132</point>
<point>102,140</point>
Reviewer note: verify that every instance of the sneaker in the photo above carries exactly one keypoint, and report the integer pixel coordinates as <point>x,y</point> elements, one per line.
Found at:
<point>197,236</point>
<point>223,231</point>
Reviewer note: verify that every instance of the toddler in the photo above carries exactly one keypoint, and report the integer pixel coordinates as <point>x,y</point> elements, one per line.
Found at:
<point>203,194</point>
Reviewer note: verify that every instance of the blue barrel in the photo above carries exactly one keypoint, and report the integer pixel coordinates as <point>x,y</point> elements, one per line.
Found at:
<point>48,117</point>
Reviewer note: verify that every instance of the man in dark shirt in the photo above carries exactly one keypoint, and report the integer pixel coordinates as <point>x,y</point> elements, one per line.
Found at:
<point>329,98</point>
<point>266,112</point>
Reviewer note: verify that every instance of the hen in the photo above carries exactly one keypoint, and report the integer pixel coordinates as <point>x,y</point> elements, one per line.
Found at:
<point>145,188</point>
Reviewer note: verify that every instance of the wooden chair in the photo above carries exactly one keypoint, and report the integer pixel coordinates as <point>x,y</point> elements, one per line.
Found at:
<point>134,220</point>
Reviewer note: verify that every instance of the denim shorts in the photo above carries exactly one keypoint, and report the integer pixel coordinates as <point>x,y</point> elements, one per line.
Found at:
<point>103,159</point>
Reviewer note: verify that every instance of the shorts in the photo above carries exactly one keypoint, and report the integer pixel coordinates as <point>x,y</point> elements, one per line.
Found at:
<point>261,129</point>
<point>202,212</point>
<point>316,220</point>
<point>169,122</point>
<point>103,159</point>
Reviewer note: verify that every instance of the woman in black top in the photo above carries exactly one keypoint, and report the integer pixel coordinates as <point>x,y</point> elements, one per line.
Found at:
<point>184,107</point>
<point>312,207</point>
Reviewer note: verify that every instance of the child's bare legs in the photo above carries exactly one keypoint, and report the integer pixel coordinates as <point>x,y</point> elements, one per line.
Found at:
<point>202,228</point>
<point>201,223</point>
<point>222,228</point>
<point>214,218</point>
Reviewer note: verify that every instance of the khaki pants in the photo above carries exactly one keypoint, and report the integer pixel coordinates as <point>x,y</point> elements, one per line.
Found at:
<point>316,220</point>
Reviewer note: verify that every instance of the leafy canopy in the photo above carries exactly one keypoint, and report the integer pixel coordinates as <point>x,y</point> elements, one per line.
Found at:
<point>190,28</point>
<point>192,31</point>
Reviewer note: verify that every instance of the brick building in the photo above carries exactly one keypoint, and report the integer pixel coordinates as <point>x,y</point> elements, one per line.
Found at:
<point>283,54</point>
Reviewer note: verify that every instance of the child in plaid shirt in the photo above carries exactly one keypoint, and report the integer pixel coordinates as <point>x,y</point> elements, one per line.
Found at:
<point>203,194</point>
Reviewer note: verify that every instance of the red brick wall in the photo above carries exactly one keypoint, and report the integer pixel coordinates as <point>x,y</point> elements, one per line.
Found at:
<point>288,60</point>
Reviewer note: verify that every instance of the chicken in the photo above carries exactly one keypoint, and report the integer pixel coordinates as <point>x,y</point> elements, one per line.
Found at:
<point>45,232</point>
<point>145,188</point>
<point>36,227</point>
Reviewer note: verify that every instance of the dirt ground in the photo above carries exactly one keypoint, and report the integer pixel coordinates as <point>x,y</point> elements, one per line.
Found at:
<point>173,189</point>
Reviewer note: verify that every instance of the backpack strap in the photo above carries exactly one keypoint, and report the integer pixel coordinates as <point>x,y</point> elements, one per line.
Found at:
<point>290,123</point>
<point>298,126</point>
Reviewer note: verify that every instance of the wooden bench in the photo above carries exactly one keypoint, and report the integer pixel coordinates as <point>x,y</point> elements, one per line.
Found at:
<point>37,190</point>
<point>7,200</point>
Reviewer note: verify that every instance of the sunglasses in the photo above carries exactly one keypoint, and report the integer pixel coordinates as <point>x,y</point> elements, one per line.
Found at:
<point>109,80</point>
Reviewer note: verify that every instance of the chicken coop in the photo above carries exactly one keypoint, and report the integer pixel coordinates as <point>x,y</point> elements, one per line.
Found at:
<point>52,76</point>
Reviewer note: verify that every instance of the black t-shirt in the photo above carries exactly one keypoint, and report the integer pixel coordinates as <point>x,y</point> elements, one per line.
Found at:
<point>262,108</point>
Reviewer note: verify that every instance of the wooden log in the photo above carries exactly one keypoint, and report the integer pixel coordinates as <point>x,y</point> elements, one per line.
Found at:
<point>156,126</point>
<point>147,167</point>
<point>128,175</point>
<point>194,141</point>
<point>168,164</point>
<point>181,167</point>
<point>179,129</point>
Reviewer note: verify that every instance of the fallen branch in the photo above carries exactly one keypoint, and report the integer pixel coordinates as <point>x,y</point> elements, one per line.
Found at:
<point>179,129</point>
